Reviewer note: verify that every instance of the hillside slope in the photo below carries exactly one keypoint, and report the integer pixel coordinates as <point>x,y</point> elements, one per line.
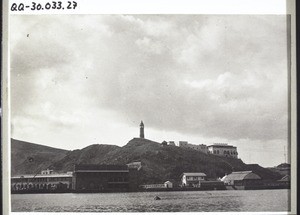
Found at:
<point>32,158</point>
<point>93,154</point>
<point>159,163</point>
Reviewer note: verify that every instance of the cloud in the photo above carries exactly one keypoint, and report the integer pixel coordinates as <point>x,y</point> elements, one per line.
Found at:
<point>201,75</point>
<point>238,66</point>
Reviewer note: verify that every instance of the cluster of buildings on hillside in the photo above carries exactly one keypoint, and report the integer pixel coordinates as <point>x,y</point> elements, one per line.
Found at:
<point>219,149</point>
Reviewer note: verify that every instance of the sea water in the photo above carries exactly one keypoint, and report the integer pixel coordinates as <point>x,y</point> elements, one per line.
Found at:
<point>183,201</point>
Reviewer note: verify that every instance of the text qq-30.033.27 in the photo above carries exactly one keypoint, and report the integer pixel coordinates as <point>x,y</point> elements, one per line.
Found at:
<point>53,5</point>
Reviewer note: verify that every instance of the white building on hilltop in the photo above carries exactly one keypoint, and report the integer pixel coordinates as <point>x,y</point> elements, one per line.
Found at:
<point>186,144</point>
<point>223,149</point>
<point>219,149</point>
<point>171,143</point>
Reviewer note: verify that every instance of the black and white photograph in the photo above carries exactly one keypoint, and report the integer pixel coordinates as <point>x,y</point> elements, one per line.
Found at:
<point>150,113</point>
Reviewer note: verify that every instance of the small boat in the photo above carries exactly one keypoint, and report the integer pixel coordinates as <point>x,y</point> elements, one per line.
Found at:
<point>157,198</point>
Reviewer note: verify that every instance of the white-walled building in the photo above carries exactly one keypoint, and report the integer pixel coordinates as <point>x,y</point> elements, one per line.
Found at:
<point>183,144</point>
<point>165,185</point>
<point>47,172</point>
<point>186,144</point>
<point>47,180</point>
<point>152,186</point>
<point>168,184</point>
<point>240,178</point>
<point>223,149</point>
<point>171,143</point>
<point>192,179</point>
<point>200,147</point>
<point>220,149</point>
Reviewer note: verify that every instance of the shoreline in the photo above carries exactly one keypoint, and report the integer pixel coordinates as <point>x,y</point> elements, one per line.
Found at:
<point>151,190</point>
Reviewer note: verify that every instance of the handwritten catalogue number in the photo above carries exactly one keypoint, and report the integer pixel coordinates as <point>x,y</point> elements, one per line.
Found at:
<point>53,5</point>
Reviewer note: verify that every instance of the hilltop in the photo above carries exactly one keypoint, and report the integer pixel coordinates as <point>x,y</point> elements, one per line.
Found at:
<point>159,163</point>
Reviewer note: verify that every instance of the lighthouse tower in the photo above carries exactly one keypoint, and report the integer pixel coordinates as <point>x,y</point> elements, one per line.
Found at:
<point>142,135</point>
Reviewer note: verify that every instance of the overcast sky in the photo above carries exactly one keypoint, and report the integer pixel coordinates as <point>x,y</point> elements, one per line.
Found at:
<point>82,79</point>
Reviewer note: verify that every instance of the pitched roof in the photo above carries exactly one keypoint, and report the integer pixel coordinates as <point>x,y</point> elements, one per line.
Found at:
<point>194,174</point>
<point>285,178</point>
<point>238,176</point>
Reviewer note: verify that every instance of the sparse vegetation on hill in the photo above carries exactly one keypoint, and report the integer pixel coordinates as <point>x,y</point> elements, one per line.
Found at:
<point>159,163</point>
<point>93,154</point>
<point>30,158</point>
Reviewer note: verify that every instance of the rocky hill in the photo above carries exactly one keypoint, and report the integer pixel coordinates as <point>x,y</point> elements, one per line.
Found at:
<point>159,163</point>
<point>32,158</point>
<point>93,154</point>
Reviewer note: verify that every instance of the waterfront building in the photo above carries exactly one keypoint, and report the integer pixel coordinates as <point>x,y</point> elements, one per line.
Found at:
<point>192,179</point>
<point>212,185</point>
<point>106,178</point>
<point>242,178</point>
<point>134,175</point>
<point>168,184</point>
<point>47,180</point>
<point>175,183</point>
<point>223,149</point>
<point>165,185</point>
<point>97,178</point>
<point>152,186</point>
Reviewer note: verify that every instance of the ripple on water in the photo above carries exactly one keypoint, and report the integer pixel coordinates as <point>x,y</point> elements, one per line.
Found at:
<point>193,201</point>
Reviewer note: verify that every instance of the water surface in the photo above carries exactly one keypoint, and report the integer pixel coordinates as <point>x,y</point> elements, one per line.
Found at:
<point>183,201</point>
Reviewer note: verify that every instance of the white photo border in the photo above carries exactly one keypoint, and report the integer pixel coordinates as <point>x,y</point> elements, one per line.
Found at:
<point>152,7</point>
